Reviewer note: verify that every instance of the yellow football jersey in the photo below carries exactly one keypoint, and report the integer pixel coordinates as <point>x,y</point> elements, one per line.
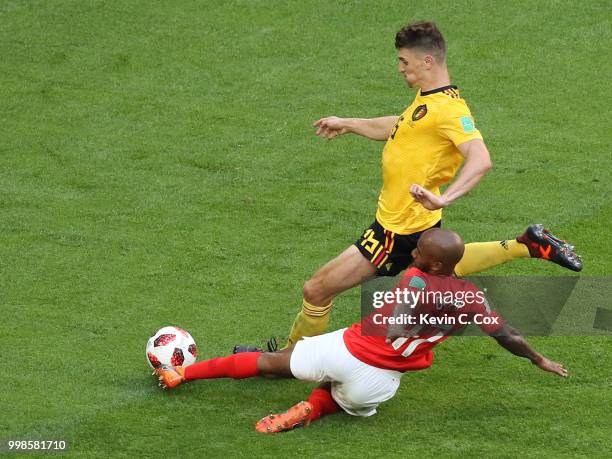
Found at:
<point>422,149</point>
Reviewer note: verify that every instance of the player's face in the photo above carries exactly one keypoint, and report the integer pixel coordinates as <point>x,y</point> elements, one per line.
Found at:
<point>424,259</point>
<point>420,259</point>
<point>412,65</point>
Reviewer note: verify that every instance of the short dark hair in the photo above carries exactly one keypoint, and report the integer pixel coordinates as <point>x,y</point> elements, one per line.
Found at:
<point>423,35</point>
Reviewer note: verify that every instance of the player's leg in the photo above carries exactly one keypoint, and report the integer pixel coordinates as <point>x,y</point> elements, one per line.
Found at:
<point>236,366</point>
<point>359,388</point>
<point>345,271</point>
<point>320,403</point>
<point>376,251</point>
<point>356,387</point>
<point>308,360</point>
<point>535,242</point>
<point>320,359</point>
<point>479,256</point>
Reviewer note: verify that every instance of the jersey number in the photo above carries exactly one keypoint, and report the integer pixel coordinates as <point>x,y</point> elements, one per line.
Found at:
<point>399,342</point>
<point>369,241</point>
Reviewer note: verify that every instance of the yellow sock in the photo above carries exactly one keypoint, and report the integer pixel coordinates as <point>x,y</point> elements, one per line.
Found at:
<point>479,256</point>
<point>311,321</point>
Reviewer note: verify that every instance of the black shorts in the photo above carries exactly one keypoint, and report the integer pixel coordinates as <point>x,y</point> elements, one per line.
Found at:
<point>391,253</point>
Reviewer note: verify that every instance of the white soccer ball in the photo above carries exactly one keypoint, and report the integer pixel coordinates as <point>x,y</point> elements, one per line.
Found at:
<point>171,346</point>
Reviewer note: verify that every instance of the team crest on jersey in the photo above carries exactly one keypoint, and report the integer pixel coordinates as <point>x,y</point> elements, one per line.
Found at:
<point>419,112</point>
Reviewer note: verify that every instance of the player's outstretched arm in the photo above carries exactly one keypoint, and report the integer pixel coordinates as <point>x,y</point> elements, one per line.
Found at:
<point>372,128</point>
<point>477,164</point>
<point>511,340</point>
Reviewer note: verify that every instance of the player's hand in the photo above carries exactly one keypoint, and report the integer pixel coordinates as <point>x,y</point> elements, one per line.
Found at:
<point>553,367</point>
<point>427,199</point>
<point>330,127</point>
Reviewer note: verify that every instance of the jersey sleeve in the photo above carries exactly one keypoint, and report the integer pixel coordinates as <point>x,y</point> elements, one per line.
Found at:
<point>412,280</point>
<point>457,124</point>
<point>486,318</point>
<point>408,288</point>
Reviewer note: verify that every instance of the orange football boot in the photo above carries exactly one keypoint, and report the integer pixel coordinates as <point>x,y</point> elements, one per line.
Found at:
<point>296,416</point>
<point>169,377</point>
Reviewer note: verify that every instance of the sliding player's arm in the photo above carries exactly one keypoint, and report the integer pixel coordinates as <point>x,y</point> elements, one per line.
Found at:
<point>372,128</point>
<point>511,340</point>
<point>477,164</point>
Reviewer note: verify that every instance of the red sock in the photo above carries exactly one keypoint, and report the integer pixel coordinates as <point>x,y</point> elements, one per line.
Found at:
<point>237,366</point>
<point>322,403</point>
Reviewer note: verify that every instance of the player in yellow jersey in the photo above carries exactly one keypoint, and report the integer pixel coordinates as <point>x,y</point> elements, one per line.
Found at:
<point>425,148</point>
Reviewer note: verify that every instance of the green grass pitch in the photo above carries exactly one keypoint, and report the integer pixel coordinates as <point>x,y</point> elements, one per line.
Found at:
<point>158,166</point>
